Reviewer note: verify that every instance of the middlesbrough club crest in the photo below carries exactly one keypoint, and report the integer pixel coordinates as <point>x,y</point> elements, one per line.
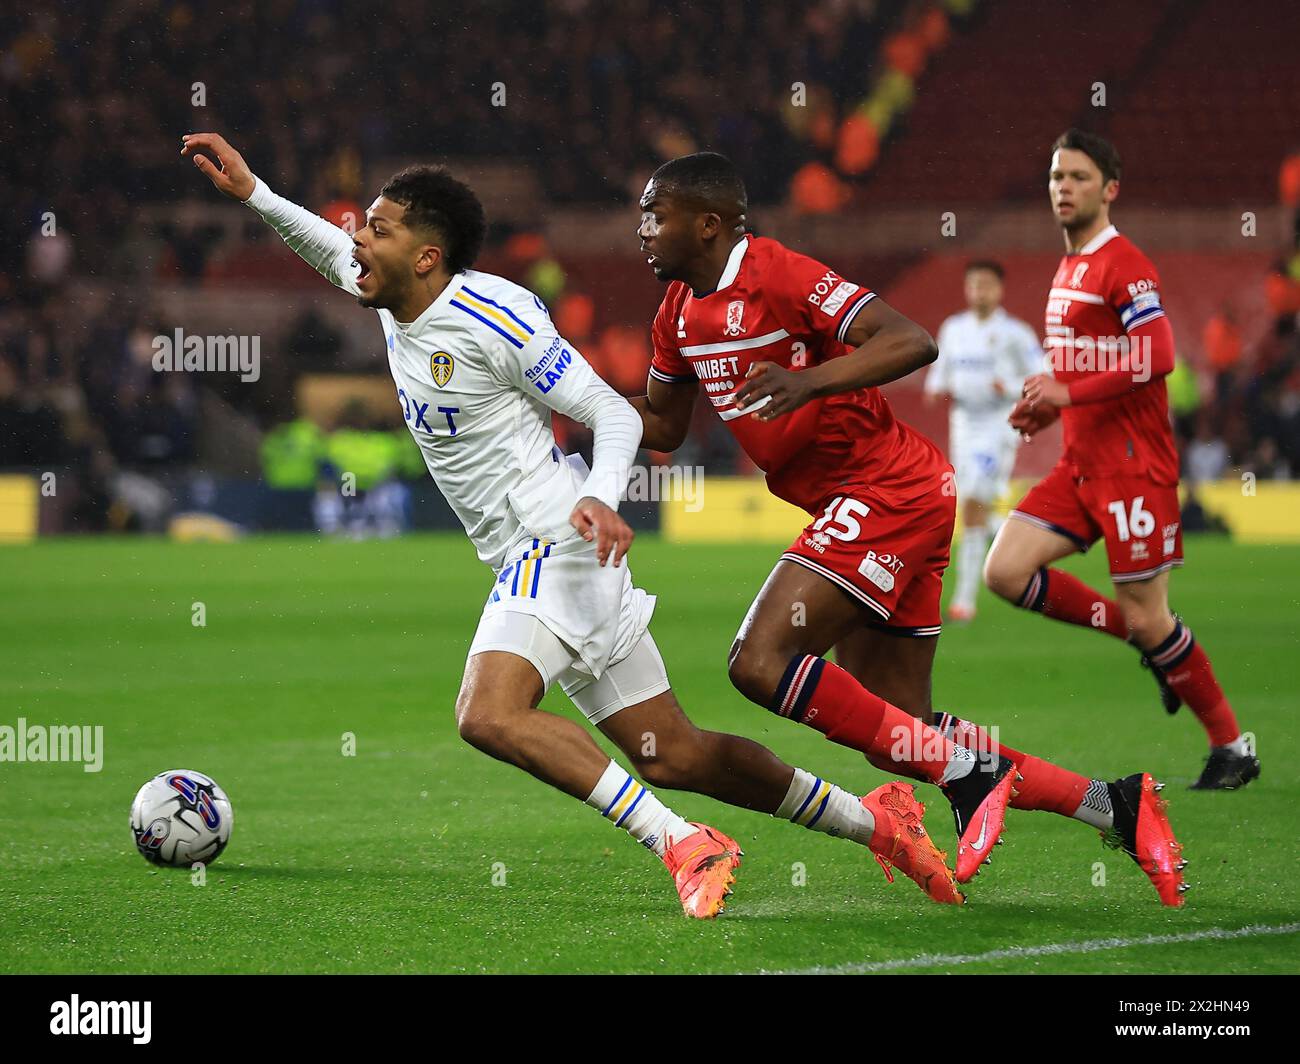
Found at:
<point>735,314</point>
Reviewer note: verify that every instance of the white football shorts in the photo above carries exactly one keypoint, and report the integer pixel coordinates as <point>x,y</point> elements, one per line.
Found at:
<point>582,626</point>
<point>983,454</point>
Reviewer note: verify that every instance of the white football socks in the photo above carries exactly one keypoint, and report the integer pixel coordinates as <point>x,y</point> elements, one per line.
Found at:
<point>970,565</point>
<point>632,806</point>
<point>819,805</point>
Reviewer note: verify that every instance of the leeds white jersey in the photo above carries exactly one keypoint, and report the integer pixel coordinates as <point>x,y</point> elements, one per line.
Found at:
<point>477,376</point>
<point>975,355</point>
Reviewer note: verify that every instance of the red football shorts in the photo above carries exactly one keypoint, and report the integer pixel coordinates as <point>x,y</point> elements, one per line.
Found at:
<point>1140,520</point>
<point>887,553</point>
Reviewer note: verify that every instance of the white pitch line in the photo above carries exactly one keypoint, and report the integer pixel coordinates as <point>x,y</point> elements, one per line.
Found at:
<point>1096,945</point>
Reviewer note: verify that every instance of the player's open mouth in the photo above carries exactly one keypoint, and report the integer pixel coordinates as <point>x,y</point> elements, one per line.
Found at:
<point>363,270</point>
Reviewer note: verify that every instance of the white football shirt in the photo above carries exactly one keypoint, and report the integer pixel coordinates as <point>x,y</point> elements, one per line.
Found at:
<point>477,376</point>
<point>974,354</point>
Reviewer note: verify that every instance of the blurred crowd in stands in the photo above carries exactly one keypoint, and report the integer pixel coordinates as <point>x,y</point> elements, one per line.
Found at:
<point>1247,415</point>
<point>92,98</point>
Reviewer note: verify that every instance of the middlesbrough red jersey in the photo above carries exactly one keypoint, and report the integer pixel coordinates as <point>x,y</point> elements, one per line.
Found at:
<point>1099,296</point>
<point>775,305</point>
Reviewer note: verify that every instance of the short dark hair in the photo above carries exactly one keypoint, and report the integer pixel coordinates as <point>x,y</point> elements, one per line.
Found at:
<point>435,200</point>
<point>1097,148</point>
<point>993,267</point>
<point>708,177</point>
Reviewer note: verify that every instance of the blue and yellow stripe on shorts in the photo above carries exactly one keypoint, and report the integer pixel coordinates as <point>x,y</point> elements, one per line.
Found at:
<point>500,319</point>
<point>524,577</point>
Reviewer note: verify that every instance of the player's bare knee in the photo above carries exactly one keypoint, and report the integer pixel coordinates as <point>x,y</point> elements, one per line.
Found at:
<point>753,672</point>
<point>481,728</point>
<point>1147,626</point>
<point>1003,576</point>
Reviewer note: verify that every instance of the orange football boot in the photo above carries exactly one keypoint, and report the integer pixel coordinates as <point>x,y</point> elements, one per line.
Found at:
<point>900,840</point>
<point>703,865</point>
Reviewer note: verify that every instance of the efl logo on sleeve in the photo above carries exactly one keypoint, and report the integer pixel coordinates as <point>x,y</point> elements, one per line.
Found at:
<point>836,299</point>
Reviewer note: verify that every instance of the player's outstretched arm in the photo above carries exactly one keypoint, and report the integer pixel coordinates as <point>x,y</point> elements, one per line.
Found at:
<point>324,247</point>
<point>230,174</point>
<point>665,411</point>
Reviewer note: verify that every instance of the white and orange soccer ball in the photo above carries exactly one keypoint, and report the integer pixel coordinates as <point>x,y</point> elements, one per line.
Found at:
<point>181,818</point>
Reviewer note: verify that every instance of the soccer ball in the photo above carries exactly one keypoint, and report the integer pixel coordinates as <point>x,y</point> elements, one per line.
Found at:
<point>180,817</point>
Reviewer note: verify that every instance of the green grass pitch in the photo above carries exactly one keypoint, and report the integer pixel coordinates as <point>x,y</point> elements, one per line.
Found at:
<point>384,862</point>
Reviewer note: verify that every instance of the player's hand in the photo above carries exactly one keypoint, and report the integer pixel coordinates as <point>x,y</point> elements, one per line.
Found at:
<point>596,521</point>
<point>1044,388</point>
<point>232,176</point>
<point>1031,420</point>
<point>784,390</point>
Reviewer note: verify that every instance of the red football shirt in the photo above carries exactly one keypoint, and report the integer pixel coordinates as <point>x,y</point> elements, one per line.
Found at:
<point>775,305</point>
<point>1099,298</point>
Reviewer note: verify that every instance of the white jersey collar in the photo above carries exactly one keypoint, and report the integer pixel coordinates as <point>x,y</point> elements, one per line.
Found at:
<point>1100,240</point>
<point>730,274</point>
<point>998,313</point>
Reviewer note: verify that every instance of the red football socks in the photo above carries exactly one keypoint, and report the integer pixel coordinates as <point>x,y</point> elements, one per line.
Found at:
<point>1057,594</point>
<point>1044,785</point>
<point>820,694</point>
<point>1187,670</point>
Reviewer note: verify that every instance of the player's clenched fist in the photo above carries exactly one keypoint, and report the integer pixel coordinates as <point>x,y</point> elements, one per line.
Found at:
<point>1029,420</point>
<point>230,173</point>
<point>1044,388</point>
<point>594,520</point>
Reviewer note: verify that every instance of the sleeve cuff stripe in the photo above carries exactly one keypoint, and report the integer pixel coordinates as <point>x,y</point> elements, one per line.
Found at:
<point>660,375</point>
<point>849,314</point>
